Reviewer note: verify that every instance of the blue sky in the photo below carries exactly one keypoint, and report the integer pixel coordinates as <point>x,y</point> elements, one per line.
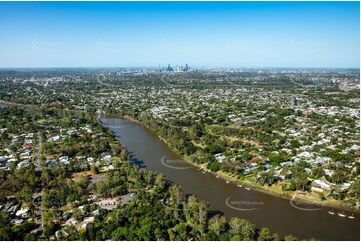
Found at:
<point>226,34</point>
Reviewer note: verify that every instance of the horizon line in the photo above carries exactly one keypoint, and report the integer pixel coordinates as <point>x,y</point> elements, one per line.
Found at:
<point>195,67</point>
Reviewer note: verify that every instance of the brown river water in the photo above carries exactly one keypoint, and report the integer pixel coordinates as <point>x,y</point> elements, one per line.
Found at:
<point>279,214</point>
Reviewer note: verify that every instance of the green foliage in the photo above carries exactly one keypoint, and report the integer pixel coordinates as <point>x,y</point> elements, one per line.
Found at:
<point>290,238</point>
<point>265,234</point>
<point>159,210</point>
<point>214,166</point>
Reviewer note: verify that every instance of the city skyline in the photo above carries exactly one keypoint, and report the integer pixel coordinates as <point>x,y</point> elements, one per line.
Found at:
<point>201,34</point>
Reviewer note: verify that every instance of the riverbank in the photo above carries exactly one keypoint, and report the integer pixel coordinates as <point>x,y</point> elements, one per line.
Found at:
<point>278,214</point>
<point>274,190</point>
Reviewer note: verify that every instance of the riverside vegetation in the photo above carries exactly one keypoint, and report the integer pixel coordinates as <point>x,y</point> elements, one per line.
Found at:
<point>65,177</point>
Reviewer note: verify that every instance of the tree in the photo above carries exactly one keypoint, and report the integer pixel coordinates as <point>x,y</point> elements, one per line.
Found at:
<point>235,225</point>
<point>49,229</point>
<point>102,188</point>
<point>214,166</point>
<point>196,131</point>
<point>176,194</point>
<point>196,215</point>
<point>5,233</point>
<point>217,224</point>
<point>266,235</point>
<point>178,232</point>
<point>266,178</point>
<point>160,181</point>
<point>290,238</point>
<point>236,237</point>
<point>124,155</point>
<point>121,233</point>
<point>242,227</point>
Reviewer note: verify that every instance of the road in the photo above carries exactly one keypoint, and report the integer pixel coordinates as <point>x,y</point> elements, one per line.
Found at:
<point>39,201</point>
<point>37,162</point>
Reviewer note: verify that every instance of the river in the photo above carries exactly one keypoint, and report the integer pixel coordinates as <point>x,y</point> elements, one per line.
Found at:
<point>279,214</point>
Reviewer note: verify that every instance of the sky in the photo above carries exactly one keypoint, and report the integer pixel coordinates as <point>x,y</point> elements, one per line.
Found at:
<point>201,34</point>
